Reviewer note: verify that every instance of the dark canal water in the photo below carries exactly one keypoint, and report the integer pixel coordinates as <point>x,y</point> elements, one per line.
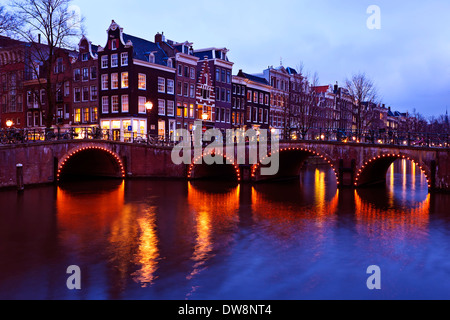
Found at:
<point>204,240</point>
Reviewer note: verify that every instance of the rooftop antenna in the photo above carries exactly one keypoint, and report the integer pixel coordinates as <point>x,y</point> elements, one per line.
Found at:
<point>281,61</point>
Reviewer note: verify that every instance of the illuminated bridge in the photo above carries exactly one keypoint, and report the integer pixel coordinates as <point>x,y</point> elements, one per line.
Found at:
<point>355,164</point>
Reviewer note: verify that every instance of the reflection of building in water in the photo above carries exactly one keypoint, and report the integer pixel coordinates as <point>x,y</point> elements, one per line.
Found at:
<point>215,214</point>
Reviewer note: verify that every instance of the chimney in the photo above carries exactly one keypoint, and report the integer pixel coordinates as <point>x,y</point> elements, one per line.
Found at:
<point>158,38</point>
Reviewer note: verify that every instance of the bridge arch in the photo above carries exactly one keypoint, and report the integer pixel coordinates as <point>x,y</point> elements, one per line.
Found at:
<point>90,161</point>
<point>203,170</point>
<point>374,170</point>
<point>292,160</point>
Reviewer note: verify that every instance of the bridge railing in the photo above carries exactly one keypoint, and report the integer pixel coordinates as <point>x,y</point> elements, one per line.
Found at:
<point>20,136</point>
<point>372,137</point>
<point>375,137</point>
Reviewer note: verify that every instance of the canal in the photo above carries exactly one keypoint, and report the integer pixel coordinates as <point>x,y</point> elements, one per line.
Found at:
<point>302,239</point>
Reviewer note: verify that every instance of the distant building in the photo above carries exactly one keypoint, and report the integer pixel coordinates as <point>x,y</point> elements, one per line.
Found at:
<point>251,96</point>
<point>215,62</point>
<point>181,57</point>
<point>278,78</point>
<point>85,89</point>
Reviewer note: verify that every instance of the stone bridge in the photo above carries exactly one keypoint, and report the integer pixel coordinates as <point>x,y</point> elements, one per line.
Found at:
<point>355,165</point>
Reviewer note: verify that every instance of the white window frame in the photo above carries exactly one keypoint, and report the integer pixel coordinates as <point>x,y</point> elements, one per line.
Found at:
<point>161,106</point>
<point>143,80</point>
<point>124,57</point>
<point>171,106</point>
<point>105,62</point>
<point>141,105</point>
<point>105,81</point>
<point>125,102</point>
<point>161,85</point>
<point>115,99</point>
<point>170,86</point>
<point>105,103</point>
<point>114,58</point>
<point>114,81</point>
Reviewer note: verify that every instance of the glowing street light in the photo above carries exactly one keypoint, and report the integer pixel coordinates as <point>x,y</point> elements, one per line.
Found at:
<point>148,106</point>
<point>205,116</point>
<point>9,123</point>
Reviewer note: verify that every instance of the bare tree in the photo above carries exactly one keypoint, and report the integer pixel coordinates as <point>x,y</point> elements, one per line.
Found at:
<point>7,21</point>
<point>306,107</point>
<point>365,98</point>
<point>49,27</point>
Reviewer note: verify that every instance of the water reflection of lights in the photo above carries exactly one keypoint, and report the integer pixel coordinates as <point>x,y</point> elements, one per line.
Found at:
<point>384,223</point>
<point>212,211</point>
<point>71,207</point>
<point>148,254</point>
<point>284,217</point>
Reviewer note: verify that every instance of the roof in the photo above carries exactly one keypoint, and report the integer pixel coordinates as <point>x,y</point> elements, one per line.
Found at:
<point>291,71</point>
<point>210,53</point>
<point>252,77</point>
<point>143,48</point>
<point>321,89</point>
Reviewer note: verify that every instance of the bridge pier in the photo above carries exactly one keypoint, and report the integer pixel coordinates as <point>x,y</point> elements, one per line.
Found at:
<point>346,172</point>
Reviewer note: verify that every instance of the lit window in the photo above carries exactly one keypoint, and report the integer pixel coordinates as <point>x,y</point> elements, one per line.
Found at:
<point>77,116</point>
<point>124,79</point>
<point>86,113</point>
<point>125,104</point>
<point>142,81</point>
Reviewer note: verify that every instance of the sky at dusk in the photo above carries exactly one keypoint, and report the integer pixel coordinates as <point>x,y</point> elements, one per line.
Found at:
<point>408,58</point>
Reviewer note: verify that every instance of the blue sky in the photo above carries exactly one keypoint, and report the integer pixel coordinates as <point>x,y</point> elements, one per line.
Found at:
<point>408,58</point>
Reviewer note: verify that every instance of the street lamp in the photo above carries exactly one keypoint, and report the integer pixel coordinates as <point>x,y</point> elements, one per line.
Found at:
<point>205,116</point>
<point>9,123</point>
<point>148,106</point>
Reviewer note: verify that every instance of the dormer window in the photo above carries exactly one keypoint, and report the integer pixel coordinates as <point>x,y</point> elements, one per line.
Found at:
<point>170,63</point>
<point>151,58</point>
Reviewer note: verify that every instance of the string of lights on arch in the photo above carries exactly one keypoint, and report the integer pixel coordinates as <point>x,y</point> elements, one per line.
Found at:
<point>229,159</point>
<point>72,153</point>
<point>314,153</point>
<point>396,156</point>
